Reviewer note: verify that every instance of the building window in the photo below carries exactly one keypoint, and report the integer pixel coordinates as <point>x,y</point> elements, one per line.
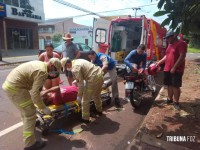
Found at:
<point>19,38</point>
<point>46,30</point>
<point>10,2</point>
<point>100,35</point>
<point>50,30</point>
<point>15,3</point>
<point>40,30</point>
<point>26,4</point>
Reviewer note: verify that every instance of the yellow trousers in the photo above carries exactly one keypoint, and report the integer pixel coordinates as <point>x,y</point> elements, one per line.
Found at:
<point>22,100</point>
<point>92,91</point>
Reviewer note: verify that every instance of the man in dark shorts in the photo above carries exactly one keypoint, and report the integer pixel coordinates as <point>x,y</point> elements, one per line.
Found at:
<point>70,50</point>
<point>174,67</point>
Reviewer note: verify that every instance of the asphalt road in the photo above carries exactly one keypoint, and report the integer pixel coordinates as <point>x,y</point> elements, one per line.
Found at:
<point>111,131</point>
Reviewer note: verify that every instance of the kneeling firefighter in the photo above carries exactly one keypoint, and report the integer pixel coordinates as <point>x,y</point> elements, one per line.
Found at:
<point>83,70</point>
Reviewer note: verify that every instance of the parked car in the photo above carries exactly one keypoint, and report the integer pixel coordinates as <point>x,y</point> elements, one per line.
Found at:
<point>84,50</point>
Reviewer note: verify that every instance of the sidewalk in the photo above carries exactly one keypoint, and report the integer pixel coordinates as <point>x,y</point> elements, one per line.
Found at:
<point>144,140</point>
<point>165,128</point>
<point>18,56</point>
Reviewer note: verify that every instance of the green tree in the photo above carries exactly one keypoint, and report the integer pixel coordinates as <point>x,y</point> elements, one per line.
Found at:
<point>57,37</point>
<point>182,15</point>
<point>195,40</point>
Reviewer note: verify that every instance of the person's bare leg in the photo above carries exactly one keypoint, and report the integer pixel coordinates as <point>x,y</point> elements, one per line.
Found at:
<point>56,81</point>
<point>70,80</point>
<point>177,93</point>
<point>48,84</point>
<point>170,92</point>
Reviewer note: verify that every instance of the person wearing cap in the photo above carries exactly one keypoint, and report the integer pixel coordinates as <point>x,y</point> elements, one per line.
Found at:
<point>23,86</point>
<point>70,50</point>
<point>45,57</point>
<point>83,70</point>
<point>174,67</point>
<point>107,64</point>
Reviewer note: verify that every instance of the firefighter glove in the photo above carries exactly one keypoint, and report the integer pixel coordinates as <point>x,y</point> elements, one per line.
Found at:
<point>46,110</point>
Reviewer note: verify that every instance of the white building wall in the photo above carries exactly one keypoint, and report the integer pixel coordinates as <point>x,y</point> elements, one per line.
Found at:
<point>35,15</point>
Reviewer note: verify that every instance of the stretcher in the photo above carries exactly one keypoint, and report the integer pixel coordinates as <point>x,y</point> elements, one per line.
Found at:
<point>44,122</point>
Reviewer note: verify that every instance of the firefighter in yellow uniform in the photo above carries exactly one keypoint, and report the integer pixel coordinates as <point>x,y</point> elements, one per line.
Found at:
<point>23,86</point>
<point>83,70</point>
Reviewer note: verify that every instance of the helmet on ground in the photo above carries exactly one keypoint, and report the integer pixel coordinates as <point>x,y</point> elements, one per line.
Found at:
<point>153,69</point>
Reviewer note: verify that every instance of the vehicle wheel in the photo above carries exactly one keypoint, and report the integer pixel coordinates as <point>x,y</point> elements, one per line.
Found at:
<point>136,99</point>
<point>108,101</point>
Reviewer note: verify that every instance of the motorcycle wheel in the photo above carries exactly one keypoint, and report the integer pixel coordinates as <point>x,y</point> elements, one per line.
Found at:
<point>136,100</point>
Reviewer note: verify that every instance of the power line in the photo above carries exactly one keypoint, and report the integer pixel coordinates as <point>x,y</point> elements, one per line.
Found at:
<point>128,8</point>
<point>97,13</point>
<point>76,7</point>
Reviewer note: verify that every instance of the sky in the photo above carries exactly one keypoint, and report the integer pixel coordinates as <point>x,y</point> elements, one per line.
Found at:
<point>53,9</point>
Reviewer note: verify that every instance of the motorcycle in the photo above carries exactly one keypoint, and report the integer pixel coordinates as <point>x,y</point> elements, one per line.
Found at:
<point>137,85</point>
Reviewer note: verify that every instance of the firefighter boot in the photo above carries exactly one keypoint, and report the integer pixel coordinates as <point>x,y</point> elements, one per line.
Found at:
<point>36,146</point>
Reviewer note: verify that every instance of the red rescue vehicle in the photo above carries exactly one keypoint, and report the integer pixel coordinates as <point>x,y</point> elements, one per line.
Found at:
<point>117,37</point>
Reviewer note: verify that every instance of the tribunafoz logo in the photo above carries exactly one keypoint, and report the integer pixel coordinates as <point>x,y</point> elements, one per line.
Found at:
<point>181,138</point>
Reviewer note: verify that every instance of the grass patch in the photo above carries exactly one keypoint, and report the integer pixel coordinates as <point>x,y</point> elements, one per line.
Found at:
<point>193,50</point>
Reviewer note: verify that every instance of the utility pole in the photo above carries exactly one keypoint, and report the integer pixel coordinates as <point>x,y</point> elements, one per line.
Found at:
<point>136,10</point>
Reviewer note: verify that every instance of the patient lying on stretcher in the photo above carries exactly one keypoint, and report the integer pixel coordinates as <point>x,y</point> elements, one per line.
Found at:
<point>59,95</point>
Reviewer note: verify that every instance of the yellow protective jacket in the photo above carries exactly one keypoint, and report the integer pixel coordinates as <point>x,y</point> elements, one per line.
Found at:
<point>30,76</point>
<point>85,70</point>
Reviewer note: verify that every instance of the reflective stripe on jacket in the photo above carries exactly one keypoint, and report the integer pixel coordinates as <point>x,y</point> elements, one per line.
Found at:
<point>30,76</point>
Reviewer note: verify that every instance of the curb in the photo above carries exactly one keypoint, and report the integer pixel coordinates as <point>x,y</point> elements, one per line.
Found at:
<point>156,143</point>
<point>12,63</point>
<point>146,139</point>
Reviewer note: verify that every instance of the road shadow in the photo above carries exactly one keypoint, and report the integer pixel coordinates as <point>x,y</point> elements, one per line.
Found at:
<point>145,106</point>
<point>63,142</point>
<point>102,125</point>
<point>148,100</point>
<point>197,60</point>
